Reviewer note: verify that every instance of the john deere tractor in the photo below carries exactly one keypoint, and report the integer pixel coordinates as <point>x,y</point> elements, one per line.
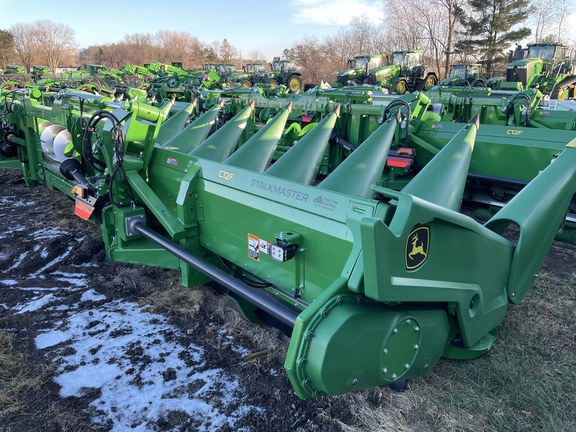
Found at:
<point>282,72</point>
<point>358,70</point>
<point>246,77</point>
<point>548,66</point>
<point>405,74</point>
<point>464,75</point>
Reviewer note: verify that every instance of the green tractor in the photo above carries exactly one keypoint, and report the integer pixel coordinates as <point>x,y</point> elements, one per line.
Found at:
<point>405,74</point>
<point>15,69</point>
<point>358,70</point>
<point>246,77</point>
<point>282,72</point>
<point>464,75</point>
<point>39,71</point>
<point>87,70</point>
<point>547,66</point>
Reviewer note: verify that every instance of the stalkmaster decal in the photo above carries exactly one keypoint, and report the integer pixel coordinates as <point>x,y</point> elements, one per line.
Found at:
<point>417,248</point>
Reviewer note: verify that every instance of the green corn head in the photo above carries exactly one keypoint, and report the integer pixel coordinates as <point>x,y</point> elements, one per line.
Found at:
<point>298,207</point>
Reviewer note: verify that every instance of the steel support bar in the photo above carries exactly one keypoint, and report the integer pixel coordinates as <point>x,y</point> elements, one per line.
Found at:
<point>260,298</point>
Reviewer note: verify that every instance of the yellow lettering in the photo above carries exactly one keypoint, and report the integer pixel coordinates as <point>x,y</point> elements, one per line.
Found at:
<point>225,175</point>
<point>514,132</point>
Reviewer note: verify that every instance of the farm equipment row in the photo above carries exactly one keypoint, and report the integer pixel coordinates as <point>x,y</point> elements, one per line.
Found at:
<point>161,79</point>
<point>335,212</point>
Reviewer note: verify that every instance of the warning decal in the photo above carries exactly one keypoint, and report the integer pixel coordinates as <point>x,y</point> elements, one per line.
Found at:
<point>254,247</point>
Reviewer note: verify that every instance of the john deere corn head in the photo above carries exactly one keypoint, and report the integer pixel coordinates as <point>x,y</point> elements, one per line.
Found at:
<point>377,283</point>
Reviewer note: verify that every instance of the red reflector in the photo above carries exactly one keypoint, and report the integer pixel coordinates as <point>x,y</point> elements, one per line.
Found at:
<point>83,210</point>
<point>400,162</point>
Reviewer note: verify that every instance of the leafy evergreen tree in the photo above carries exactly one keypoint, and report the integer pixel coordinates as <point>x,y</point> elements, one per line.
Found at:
<point>7,54</point>
<point>492,27</point>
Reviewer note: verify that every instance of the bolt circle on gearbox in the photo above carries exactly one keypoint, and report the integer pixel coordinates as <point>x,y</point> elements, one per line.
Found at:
<point>400,349</point>
<point>416,250</point>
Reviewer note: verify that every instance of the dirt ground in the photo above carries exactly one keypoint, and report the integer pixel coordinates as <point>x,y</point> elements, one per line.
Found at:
<point>34,262</point>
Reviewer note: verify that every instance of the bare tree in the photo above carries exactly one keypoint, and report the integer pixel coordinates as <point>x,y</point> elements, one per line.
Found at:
<point>55,41</point>
<point>434,31</point>
<point>312,55</point>
<point>25,43</point>
<point>256,56</point>
<point>564,8</point>
<point>179,46</point>
<point>360,33</point>
<point>136,48</point>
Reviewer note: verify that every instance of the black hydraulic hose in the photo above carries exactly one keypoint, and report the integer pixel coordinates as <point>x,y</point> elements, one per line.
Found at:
<point>259,298</point>
<point>335,139</point>
<point>395,104</point>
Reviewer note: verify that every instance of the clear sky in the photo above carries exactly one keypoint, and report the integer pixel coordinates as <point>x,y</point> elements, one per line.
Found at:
<point>265,26</point>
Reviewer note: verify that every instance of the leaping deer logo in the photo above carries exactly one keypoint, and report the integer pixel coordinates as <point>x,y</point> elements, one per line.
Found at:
<point>417,248</point>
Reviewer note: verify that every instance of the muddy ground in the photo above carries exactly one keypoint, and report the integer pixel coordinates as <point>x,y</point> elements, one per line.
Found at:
<point>43,247</point>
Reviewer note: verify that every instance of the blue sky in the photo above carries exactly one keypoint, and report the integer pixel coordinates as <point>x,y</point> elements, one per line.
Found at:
<point>268,27</point>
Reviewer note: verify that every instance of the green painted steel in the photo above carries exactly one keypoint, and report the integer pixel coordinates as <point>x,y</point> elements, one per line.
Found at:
<point>430,183</point>
<point>229,134</point>
<point>256,153</point>
<point>301,161</point>
<point>174,124</point>
<point>382,273</point>
<point>364,166</point>
<point>195,133</point>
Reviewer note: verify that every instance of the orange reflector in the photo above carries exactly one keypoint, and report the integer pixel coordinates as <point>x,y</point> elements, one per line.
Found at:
<point>399,162</point>
<point>78,191</point>
<point>83,210</point>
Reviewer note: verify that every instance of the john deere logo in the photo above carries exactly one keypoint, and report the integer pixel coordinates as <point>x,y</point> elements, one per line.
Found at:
<point>417,248</point>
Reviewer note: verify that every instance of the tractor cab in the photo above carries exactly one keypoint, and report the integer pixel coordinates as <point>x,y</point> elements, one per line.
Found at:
<point>283,66</point>
<point>254,68</point>
<point>547,52</point>
<point>407,60</point>
<point>367,63</point>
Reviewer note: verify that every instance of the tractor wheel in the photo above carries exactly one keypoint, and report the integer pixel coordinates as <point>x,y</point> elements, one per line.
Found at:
<point>273,83</point>
<point>479,83</point>
<point>564,88</point>
<point>294,84</point>
<point>356,82</point>
<point>244,83</point>
<point>427,83</point>
<point>400,88</point>
<point>430,82</point>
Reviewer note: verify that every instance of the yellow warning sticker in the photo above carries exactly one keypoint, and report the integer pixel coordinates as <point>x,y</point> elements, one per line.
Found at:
<point>254,247</point>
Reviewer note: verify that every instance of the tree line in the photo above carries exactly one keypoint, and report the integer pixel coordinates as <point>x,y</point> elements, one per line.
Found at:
<point>449,31</point>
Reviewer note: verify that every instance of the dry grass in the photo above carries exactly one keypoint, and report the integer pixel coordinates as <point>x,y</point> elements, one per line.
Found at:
<point>526,382</point>
<point>25,396</point>
<point>17,383</point>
